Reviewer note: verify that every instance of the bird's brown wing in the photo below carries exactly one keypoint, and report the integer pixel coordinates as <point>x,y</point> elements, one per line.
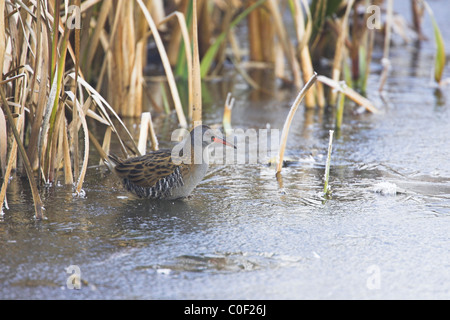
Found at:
<point>145,171</point>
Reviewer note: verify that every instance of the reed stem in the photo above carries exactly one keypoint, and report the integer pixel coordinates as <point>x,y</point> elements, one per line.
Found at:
<point>289,118</point>
<point>196,77</point>
<point>326,188</point>
<point>340,111</point>
<point>38,205</point>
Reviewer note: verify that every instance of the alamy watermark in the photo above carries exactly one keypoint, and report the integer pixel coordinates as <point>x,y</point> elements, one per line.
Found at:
<point>373,282</point>
<point>374,20</point>
<point>73,17</point>
<point>74,280</point>
<point>251,146</point>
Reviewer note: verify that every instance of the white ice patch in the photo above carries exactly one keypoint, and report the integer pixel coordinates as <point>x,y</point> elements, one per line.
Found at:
<point>81,194</point>
<point>385,188</point>
<point>163,271</point>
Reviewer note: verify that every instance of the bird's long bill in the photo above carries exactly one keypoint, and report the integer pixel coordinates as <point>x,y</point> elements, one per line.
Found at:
<point>225,142</point>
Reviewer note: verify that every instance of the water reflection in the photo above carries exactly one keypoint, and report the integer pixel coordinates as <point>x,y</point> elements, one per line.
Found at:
<point>440,98</point>
<point>151,221</point>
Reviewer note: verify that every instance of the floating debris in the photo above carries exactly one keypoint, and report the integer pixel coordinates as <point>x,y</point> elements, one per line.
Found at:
<point>163,271</point>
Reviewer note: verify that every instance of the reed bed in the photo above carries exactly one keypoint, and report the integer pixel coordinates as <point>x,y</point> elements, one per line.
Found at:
<point>69,65</point>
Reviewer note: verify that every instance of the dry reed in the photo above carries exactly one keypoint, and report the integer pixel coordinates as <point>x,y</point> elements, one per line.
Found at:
<point>289,118</point>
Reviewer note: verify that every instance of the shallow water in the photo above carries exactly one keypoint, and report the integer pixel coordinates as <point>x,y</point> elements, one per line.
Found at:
<point>243,234</point>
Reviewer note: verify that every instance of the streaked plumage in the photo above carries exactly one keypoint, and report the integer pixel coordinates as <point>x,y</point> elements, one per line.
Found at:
<point>156,176</point>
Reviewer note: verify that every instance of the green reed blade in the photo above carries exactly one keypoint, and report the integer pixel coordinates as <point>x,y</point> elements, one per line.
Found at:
<point>440,58</point>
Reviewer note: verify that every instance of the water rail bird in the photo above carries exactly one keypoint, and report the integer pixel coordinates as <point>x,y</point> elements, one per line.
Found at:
<point>160,175</point>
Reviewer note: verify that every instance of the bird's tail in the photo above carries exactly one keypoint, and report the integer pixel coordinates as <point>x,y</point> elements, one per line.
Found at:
<point>115,159</point>
<point>111,161</point>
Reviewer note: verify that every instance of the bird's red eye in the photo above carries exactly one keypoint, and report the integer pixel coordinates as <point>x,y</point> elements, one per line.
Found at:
<point>213,139</point>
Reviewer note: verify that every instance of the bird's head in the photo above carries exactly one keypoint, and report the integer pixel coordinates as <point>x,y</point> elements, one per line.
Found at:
<point>207,136</point>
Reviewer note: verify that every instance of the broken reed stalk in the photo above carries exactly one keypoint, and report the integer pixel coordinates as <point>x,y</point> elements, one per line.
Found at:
<point>38,205</point>
<point>143,132</point>
<point>146,127</point>
<point>326,188</point>
<point>349,92</point>
<point>226,121</point>
<point>289,118</point>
